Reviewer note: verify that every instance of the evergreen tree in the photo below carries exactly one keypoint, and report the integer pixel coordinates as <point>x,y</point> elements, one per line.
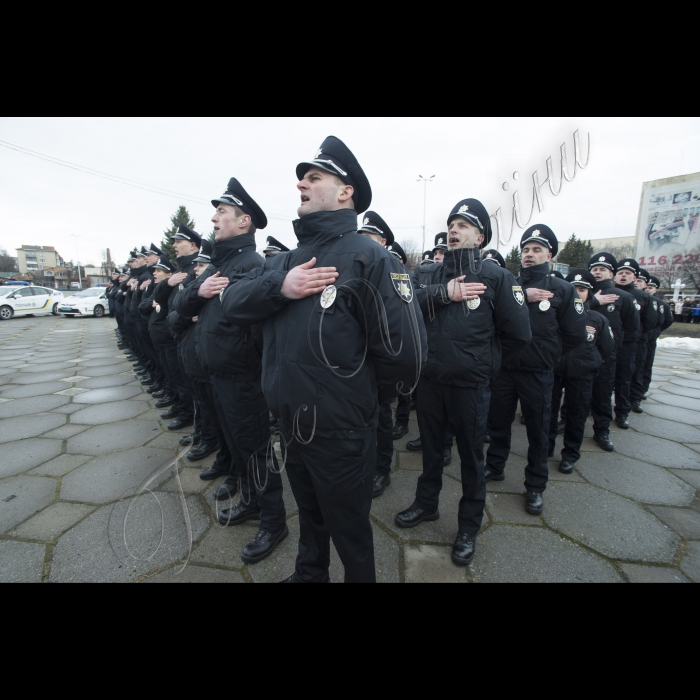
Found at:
<point>514,261</point>
<point>577,254</point>
<point>180,216</point>
<point>211,238</point>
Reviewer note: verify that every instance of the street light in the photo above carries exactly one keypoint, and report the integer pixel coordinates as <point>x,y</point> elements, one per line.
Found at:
<point>425,181</point>
<point>77,255</point>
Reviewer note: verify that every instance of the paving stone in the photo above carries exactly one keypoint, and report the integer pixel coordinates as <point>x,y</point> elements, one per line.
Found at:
<point>680,390</point>
<point>113,476</point>
<point>681,520</point>
<point>556,475</point>
<point>401,495</point>
<point>19,457</point>
<point>113,370</point>
<point>52,522</point>
<point>669,430</point>
<point>690,565</point>
<point>430,564</point>
<point>21,497</point>
<point>102,396</point>
<point>43,367</point>
<point>386,554</point>
<point>66,432</point>
<point>508,508</point>
<point>639,481</point>
<point>609,524</point>
<point>95,552</point>
<point>71,392</point>
<point>196,574</point>
<point>191,483</point>
<point>690,477</point>
<point>154,416</point>
<point>689,383</point>
<point>102,362</point>
<point>109,413</point>
<point>652,574</point>
<point>681,415</point>
<point>23,427</point>
<point>531,555</point>
<point>42,378</point>
<point>105,439</point>
<point>106,382</point>
<point>27,407</point>
<point>678,401</point>
<point>165,441</point>
<point>515,477</point>
<point>411,461</point>
<point>21,562</point>
<point>695,448</point>
<point>223,546</point>
<point>61,465</point>
<point>68,409</point>
<point>28,392</point>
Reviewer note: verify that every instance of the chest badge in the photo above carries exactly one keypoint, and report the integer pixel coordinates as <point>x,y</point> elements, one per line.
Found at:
<point>545,306</point>
<point>612,308</point>
<point>403,287</point>
<point>474,304</point>
<point>182,287</point>
<point>158,309</point>
<point>519,295</point>
<point>578,305</point>
<point>591,336</point>
<point>328,297</point>
<point>221,294</point>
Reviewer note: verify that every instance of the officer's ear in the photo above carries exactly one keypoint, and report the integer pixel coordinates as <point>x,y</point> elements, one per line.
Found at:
<point>346,193</point>
<point>549,258</point>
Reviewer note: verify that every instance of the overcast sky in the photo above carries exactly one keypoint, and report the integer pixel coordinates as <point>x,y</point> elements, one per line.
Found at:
<point>42,203</point>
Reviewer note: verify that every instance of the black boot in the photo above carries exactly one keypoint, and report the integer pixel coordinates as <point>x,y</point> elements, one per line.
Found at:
<point>381,484</point>
<point>263,545</point>
<point>415,446</point>
<point>464,550</point>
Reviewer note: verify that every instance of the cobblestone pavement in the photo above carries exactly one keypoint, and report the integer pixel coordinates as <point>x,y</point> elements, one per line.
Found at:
<point>79,436</point>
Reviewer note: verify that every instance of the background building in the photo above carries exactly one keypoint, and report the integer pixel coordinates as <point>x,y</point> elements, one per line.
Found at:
<point>31,258</point>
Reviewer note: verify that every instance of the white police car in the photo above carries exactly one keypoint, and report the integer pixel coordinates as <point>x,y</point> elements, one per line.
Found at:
<point>29,301</point>
<point>89,302</point>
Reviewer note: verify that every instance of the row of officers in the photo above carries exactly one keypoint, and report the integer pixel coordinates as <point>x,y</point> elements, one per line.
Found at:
<point>322,340</point>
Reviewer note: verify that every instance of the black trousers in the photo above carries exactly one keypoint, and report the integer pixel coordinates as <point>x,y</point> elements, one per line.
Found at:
<point>637,385</point>
<point>403,410</point>
<point>534,391</point>
<point>183,395</point>
<point>579,392</point>
<point>623,379</point>
<point>130,329</point>
<point>149,350</point>
<point>601,400</point>
<point>332,483</point>
<point>385,440</point>
<point>245,421</point>
<point>649,364</point>
<point>224,458</point>
<point>467,411</point>
<point>207,428</point>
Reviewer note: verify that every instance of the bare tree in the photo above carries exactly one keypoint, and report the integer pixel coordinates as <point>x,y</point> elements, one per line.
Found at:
<point>7,262</point>
<point>690,270</point>
<point>414,254</point>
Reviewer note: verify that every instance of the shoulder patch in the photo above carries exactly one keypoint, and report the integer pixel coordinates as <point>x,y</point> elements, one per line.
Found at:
<point>612,333</point>
<point>519,295</point>
<point>578,305</point>
<point>402,286</point>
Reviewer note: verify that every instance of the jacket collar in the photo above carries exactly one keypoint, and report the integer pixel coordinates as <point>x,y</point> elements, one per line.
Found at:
<point>533,274</point>
<point>231,247</point>
<point>187,260</point>
<point>457,262</point>
<point>325,226</point>
<point>628,287</point>
<point>602,286</point>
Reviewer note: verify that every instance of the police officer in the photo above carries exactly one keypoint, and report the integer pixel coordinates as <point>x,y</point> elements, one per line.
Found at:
<point>332,358</point>
<point>665,321</point>
<point>558,327</point>
<point>474,315</point>
<point>575,374</point>
<point>614,375</point>
<point>493,256</point>
<point>440,248</point>
<point>628,271</point>
<point>231,353</point>
<point>377,230</point>
<point>274,247</point>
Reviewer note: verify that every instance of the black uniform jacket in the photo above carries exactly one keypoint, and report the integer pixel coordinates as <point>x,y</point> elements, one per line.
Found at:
<point>466,347</point>
<point>598,349</point>
<point>622,315</point>
<point>224,348</point>
<point>643,304</point>
<point>557,330</point>
<point>142,275</point>
<point>328,368</point>
<point>666,319</point>
<point>158,320</point>
<point>184,330</point>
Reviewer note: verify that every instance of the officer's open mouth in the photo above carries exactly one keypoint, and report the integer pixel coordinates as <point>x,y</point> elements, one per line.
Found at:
<point>454,241</point>
<point>304,199</point>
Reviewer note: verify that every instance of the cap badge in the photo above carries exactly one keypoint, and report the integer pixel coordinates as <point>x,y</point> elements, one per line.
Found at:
<point>328,297</point>
<point>463,209</point>
<point>402,286</point>
<point>579,278</point>
<point>319,154</point>
<point>489,256</point>
<point>603,259</point>
<point>441,241</point>
<point>366,222</point>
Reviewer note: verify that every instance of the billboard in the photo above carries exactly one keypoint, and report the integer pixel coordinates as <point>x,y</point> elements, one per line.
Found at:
<point>668,231</point>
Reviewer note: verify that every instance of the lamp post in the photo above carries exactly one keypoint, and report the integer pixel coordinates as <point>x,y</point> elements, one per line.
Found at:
<point>77,256</point>
<point>425,181</point>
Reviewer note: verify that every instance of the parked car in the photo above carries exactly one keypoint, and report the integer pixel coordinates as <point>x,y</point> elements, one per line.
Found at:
<point>75,286</point>
<point>28,301</point>
<point>89,302</point>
